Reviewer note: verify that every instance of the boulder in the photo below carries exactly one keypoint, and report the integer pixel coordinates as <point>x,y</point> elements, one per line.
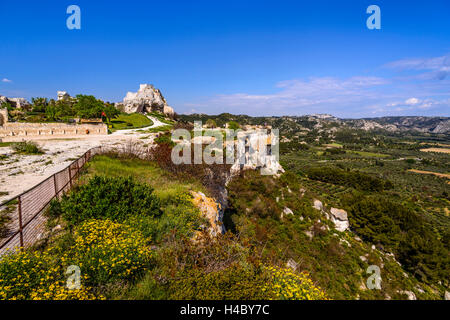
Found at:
<point>14,102</point>
<point>410,294</point>
<point>340,219</point>
<point>447,295</point>
<point>318,205</point>
<point>286,211</point>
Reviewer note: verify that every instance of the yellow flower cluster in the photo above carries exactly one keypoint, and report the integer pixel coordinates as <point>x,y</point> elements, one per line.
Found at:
<point>105,249</point>
<point>287,285</point>
<point>36,275</point>
<point>61,292</point>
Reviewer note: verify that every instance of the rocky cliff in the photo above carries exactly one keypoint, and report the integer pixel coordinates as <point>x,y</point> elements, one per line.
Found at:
<point>146,99</point>
<point>14,102</point>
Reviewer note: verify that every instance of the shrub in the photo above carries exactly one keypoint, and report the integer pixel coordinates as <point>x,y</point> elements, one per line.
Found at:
<point>181,216</point>
<point>26,147</point>
<point>36,275</point>
<point>111,198</point>
<point>210,123</point>
<point>107,251</point>
<point>233,125</point>
<point>4,220</point>
<point>236,282</point>
<point>288,285</point>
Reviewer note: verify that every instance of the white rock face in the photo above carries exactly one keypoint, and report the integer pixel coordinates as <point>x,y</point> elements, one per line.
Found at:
<point>447,295</point>
<point>286,211</point>
<point>410,294</point>
<point>146,99</point>
<point>15,102</point>
<point>318,205</point>
<point>340,219</point>
<point>63,95</point>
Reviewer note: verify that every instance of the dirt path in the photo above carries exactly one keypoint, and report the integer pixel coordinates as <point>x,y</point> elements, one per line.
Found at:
<point>442,175</point>
<point>156,123</point>
<point>440,150</point>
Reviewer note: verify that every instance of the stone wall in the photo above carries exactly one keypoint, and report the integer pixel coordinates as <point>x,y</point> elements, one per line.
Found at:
<point>3,117</point>
<point>22,130</point>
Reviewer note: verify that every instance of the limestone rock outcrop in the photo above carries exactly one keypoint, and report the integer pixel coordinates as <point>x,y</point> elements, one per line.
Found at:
<point>14,102</point>
<point>146,99</point>
<point>340,219</point>
<point>211,210</point>
<point>63,95</point>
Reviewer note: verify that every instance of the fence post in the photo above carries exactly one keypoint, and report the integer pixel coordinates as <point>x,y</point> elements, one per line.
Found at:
<point>70,176</point>
<point>78,169</point>
<point>20,221</point>
<point>54,182</point>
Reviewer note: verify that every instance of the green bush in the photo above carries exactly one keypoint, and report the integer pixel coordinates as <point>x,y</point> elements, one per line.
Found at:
<point>233,125</point>
<point>109,198</point>
<point>180,216</point>
<point>26,147</point>
<point>107,251</point>
<point>235,282</point>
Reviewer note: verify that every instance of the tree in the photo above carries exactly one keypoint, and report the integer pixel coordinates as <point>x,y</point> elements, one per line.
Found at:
<point>64,108</point>
<point>88,107</point>
<point>6,105</point>
<point>233,125</point>
<point>110,111</point>
<point>39,104</point>
<point>51,112</point>
<point>211,123</point>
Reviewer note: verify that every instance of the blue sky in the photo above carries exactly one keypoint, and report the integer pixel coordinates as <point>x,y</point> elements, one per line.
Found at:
<point>247,57</point>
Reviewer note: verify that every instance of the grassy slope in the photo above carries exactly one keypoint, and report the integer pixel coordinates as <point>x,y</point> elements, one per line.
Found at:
<point>332,258</point>
<point>164,184</point>
<point>136,119</point>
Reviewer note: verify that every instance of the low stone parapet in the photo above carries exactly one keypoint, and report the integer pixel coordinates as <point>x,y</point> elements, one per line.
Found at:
<point>21,129</point>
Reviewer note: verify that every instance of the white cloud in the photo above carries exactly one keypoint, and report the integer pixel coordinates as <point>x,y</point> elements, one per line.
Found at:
<point>355,96</point>
<point>437,68</point>
<point>298,97</point>
<point>412,101</point>
<point>6,80</point>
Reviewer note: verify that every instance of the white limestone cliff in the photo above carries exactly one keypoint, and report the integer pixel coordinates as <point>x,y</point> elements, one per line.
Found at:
<point>146,99</point>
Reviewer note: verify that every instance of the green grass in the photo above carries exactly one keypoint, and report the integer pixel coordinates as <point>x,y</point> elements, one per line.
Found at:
<point>5,144</point>
<point>161,117</point>
<point>369,154</point>
<point>333,145</point>
<point>158,129</point>
<point>130,121</point>
<point>27,147</point>
<point>165,185</point>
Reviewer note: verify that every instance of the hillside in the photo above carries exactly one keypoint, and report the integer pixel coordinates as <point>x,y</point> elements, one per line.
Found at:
<point>350,201</point>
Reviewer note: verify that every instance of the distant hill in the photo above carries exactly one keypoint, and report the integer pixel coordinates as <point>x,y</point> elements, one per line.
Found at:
<point>435,125</point>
